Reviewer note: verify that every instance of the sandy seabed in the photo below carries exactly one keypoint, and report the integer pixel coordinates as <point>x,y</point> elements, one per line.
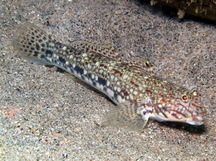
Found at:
<point>47,115</point>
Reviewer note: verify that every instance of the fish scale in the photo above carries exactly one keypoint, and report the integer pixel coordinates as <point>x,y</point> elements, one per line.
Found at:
<point>128,81</point>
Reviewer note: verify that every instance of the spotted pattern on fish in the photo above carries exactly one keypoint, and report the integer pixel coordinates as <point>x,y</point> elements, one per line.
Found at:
<point>128,82</point>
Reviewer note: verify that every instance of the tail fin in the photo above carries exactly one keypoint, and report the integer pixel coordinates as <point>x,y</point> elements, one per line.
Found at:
<point>31,43</point>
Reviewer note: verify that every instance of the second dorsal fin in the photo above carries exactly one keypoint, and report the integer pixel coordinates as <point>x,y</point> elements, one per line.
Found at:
<point>139,64</point>
<point>105,50</point>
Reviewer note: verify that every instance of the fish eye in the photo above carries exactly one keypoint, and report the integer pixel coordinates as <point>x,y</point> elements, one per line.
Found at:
<point>184,98</point>
<point>195,93</point>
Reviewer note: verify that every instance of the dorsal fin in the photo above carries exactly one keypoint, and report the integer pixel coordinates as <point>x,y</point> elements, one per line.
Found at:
<point>135,62</point>
<point>139,64</point>
<point>104,50</point>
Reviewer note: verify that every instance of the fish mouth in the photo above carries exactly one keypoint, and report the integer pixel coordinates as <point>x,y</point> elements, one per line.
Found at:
<point>196,120</point>
<point>175,115</point>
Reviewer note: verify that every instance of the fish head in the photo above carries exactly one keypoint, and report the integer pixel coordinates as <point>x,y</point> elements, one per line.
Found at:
<point>180,106</point>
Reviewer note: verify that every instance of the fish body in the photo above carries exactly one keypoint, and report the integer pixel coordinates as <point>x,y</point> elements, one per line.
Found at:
<point>128,82</point>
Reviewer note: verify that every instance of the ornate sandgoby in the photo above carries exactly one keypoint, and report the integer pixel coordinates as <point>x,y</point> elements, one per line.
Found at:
<point>129,82</point>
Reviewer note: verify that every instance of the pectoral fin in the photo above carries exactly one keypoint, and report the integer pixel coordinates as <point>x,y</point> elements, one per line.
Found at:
<point>126,115</point>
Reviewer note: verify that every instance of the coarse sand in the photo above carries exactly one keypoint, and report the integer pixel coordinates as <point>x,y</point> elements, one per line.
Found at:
<point>47,115</point>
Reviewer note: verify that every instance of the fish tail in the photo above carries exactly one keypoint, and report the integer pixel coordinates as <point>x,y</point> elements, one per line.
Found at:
<point>32,43</point>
